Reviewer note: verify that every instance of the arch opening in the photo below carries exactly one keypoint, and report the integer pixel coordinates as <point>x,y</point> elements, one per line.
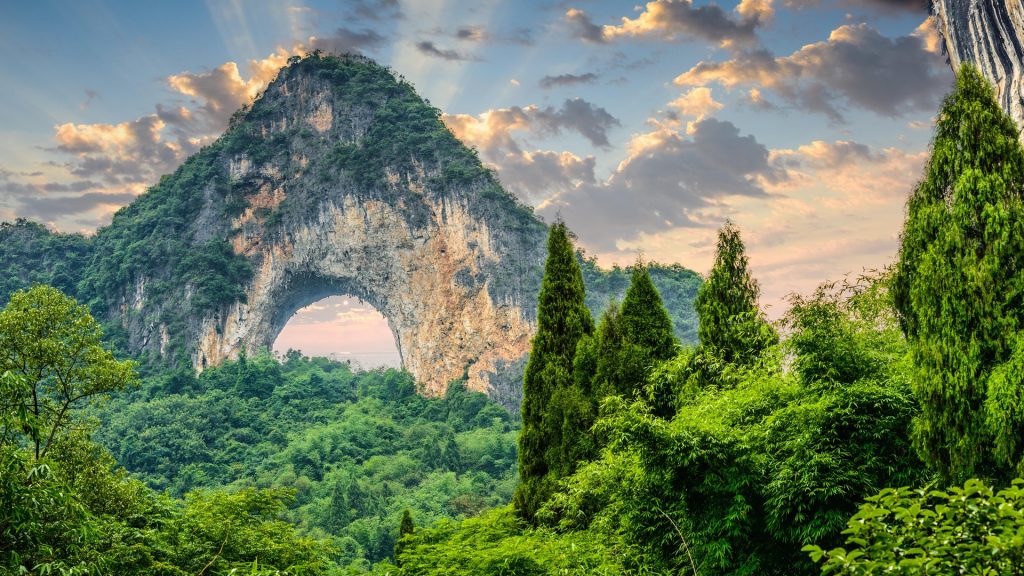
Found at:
<point>342,327</point>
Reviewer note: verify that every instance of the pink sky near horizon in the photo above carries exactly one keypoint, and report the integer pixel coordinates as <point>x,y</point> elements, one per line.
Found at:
<point>342,328</point>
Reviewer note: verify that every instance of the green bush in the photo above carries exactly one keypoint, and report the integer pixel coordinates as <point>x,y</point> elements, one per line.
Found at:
<point>972,529</point>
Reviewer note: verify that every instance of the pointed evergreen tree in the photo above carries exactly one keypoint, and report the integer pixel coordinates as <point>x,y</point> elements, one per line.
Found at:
<point>647,327</point>
<point>406,527</point>
<point>731,325</point>
<point>631,338</point>
<point>548,390</point>
<point>959,284</point>
<point>609,341</point>
<point>339,513</point>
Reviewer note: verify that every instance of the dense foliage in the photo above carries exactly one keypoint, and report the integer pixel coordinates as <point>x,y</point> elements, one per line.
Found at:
<point>64,505</point>
<point>959,285</point>
<point>356,448</point>
<point>972,529</point>
<point>499,543</point>
<point>554,410</point>
<point>749,472</point>
<point>30,254</point>
<point>676,285</point>
<point>630,340</point>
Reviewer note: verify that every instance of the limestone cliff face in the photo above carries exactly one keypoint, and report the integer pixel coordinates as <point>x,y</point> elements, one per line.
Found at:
<point>444,328</point>
<point>990,35</point>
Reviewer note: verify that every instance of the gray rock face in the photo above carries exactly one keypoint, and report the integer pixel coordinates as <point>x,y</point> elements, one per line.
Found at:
<point>990,35</point>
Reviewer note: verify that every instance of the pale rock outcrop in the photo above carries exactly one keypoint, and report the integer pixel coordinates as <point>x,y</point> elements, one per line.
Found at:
<point>990,35</point>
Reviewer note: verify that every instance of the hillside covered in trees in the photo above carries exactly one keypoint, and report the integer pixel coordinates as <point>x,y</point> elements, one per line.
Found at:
<point>873,430</point>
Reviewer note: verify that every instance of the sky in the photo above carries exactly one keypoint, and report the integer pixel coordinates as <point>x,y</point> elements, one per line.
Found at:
<point>806,122</point>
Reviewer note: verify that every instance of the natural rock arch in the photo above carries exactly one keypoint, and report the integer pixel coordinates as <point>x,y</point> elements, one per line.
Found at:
<point>429,282</point>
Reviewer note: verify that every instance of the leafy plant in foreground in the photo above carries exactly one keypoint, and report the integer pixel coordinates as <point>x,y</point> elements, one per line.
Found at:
<point>972,529</point>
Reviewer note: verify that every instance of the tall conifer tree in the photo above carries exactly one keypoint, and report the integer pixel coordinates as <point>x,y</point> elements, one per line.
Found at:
<point>631,338</point>
<point>562,320</point>
<point>731,324</point>
<point>646,321</point>
<point>405,528</point>
<point>959,288</point>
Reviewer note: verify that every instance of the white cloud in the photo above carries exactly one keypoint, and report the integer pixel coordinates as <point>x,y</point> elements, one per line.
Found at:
<point>856,66</point>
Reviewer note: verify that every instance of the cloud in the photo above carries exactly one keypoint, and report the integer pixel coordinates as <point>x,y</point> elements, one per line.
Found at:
<point>561,80</point>
<point>830,155</point>
<point>346,40</point>
<point>430,49</point>
<point>491,131</point>
<point>122,153</point>
<point>221,91</point>
<point>375,10</point>
<point>537,176</point>
<point>470,33</point>
<point>675,20</point>
<point>52,207</point>
<point>584,27</point>
<point>856,174</point>
<point>665,181</point>
<point>837,211</point>
<point>894,6</point>
<point>928,32</point>
<point>856,66</point>
<point>479,34</point>
<point>697,103</point>
<point>79,204</point>
<point>755,99</point>
<point>591,122</point>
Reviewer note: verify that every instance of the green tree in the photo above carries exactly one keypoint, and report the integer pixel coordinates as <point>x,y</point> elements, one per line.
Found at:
<point>601,354</point>
<point>406,528</point>
<point>959,285</point>
<point>644,317</point>
<point>51,349</point>
<point>631,339</point>
<point>221,532</point>
<point>732,326</point>
<point>548,388</point>
<point>747,474</point>
<point>968,530</point>
<point>648,339</point>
